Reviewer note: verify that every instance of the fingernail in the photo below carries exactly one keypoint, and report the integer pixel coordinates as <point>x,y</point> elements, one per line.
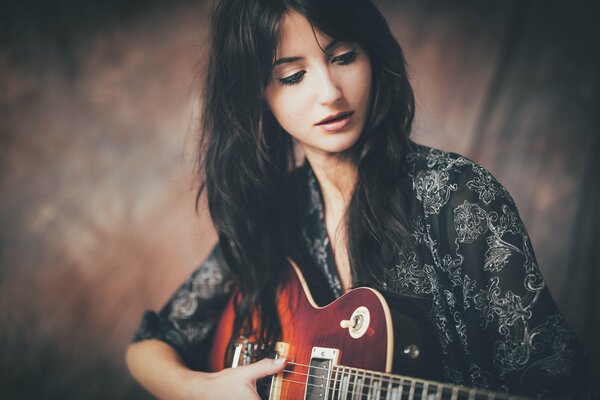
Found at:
<point>279,361</point>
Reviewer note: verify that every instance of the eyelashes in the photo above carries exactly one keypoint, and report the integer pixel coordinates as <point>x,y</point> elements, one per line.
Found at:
<point>292,79</point>
<point>343,59</point>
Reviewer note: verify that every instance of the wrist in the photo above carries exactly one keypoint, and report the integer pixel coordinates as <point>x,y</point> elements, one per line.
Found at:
<point>192,384</point>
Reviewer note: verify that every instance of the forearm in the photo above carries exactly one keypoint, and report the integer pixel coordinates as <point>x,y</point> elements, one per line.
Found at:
<point>158,367</point>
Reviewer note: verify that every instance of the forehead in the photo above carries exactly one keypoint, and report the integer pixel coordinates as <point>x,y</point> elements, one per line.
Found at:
<point>297,35</point>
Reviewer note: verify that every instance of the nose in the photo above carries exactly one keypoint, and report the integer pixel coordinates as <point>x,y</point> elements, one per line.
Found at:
<point>328,91</point>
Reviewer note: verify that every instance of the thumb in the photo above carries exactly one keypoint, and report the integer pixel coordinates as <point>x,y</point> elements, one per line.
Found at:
<point>264,368</point>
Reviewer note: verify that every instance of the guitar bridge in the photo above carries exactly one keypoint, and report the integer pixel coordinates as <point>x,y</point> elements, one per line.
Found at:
<point>246,352</point>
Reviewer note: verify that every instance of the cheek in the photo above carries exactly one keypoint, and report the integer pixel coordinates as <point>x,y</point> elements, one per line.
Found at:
<point>358,84</point>
<point>288,108</point>
<point>275,102</point>
<point>364,84</point>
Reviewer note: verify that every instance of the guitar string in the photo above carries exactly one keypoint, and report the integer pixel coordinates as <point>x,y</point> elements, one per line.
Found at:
<point>384,391</point>
<point>339,368</point>
<point>356,389</point>
<point>398,382</point>
<point>416,384</point>
<point>382,387</point>
<point>385,379</point>
<point>418,388</point>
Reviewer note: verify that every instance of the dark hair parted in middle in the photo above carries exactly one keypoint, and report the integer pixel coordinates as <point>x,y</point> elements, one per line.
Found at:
<point>246,157</point>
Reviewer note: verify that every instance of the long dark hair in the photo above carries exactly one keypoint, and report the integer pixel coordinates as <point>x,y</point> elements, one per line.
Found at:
<point>245,156</point>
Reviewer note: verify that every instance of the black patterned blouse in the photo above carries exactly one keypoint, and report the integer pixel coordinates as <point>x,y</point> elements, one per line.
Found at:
<point>472,268</point>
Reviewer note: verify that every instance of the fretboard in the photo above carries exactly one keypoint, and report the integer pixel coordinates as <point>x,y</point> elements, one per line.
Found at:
<point>358,384</point>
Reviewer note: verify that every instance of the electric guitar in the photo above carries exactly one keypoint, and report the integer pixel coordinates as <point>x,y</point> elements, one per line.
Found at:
<point>344,350</point>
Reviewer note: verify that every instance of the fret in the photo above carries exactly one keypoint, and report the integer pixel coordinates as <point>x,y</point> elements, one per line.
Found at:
<point>425,391</point>
<point>472,394</point>
<point>352,384</point>
<point>377,387</point>
<point>337,384</point>
<point>396,394</point>
<point>344,385</point>
<point>365,391</point>
<point>438,392</point>
<point>333,384</point>
<point>411,392</point>
<point>454,393</point>
<point>399,386</point>
<point>388,390</point>
<point>377,390</point>
<point>358,388</point>
<point>369,385</point>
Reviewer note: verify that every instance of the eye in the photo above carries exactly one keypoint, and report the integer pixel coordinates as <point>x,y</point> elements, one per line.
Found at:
<point>292,79</point>
<point>345,58</point>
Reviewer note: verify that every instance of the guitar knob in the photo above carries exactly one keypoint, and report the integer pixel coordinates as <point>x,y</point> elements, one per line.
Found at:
<point>412,351</point>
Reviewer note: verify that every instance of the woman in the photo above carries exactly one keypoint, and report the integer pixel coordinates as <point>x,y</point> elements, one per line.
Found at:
<point>368,207</point>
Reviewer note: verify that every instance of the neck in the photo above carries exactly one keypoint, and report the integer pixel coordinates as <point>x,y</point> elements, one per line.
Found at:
<point>337,178</point>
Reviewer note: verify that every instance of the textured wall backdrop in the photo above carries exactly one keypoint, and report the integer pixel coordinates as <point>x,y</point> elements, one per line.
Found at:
<point>98,125</point>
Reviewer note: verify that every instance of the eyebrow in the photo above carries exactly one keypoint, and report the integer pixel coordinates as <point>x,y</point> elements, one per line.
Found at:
<point>287,60</point>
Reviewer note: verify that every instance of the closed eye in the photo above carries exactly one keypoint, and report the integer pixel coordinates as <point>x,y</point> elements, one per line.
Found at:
<point>292,79</point>
<point>346,58</point>
<point>343,59</point>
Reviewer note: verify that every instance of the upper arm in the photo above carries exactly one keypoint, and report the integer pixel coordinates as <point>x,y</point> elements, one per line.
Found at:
<point>187,320</point>
<point>502,312</point>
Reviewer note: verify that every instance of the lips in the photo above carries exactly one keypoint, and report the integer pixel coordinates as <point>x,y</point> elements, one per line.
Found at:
<point>335,118</point>
<point>337,122</point>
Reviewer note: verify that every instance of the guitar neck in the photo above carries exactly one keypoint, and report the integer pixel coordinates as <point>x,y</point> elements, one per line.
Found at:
<point>354,383</point>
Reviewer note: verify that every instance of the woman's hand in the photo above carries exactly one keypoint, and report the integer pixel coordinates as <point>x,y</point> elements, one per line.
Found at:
<point>158,367</point>
<point>233,383</point>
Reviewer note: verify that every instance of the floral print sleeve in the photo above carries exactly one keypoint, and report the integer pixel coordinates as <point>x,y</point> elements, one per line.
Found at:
<point>188,318</point>
<point>498,325</point>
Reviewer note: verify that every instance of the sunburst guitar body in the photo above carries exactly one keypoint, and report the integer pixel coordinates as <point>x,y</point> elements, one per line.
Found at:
<point>344,350</point>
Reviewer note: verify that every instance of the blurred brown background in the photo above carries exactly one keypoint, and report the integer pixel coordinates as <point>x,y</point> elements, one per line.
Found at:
<point>98,125</point>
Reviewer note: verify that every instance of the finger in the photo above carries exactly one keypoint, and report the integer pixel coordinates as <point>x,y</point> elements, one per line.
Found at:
<point>264,368</point>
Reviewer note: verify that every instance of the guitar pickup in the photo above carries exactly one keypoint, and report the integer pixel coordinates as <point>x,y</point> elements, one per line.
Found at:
<point>322,361</point>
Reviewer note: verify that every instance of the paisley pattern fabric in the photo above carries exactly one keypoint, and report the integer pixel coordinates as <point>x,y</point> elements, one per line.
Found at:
<point>188,318</point>
<point>471,262</point>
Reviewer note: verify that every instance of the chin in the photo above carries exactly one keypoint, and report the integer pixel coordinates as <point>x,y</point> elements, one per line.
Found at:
<point>341,147</point>
<point>347,142</point>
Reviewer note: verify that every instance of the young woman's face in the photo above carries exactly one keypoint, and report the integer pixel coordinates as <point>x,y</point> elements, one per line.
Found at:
<point>320,98</point>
